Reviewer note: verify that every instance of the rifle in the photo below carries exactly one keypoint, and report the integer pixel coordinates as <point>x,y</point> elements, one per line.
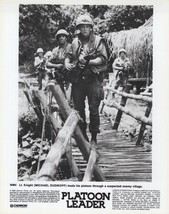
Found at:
<point>83,71</point>
<point>41,66</point>
<point>76,73</point>
<point>88,57</point>
<point>58,72</point>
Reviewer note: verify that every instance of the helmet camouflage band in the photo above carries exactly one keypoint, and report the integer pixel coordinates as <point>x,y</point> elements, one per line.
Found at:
<point>61,32</point>
<point>84,20</point>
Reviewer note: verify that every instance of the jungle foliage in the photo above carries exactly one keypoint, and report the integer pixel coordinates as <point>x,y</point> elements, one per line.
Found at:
<point>38,24</point>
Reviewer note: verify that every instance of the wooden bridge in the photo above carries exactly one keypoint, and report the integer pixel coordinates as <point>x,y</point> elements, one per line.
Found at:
<point>114,158</point>
<point>120,159</point>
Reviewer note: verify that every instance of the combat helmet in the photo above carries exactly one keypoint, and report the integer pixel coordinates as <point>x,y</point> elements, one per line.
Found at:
<point>84,20</point>
<point>61,32</point>
<point>122,50</point>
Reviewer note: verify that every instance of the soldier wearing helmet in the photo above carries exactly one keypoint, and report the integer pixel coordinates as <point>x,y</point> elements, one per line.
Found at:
<point>56,61</point>
<point>121,67</point>
<point>86,63</point>
<point>39,64</point>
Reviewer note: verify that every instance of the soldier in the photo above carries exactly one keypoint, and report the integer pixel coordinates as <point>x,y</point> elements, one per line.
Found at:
<point>121,67</point>
<point>56,61</point>
<point>86,63</point>
<point>39,64</point>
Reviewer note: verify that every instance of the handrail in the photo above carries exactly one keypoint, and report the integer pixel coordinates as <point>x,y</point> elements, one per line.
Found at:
<point>51,163</point>
<point>52,120</point>
<point>83,145</point>
<point>131,96</point>
<point>130,113</point>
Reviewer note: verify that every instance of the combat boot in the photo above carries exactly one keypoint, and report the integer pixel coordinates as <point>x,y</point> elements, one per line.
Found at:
<point>94,137</point>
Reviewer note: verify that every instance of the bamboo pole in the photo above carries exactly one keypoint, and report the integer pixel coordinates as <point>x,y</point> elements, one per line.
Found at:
<point>83,145</point>
<point>51,163</point>
<point>52,120</point>
<point>90,166</point>
<point>131,96</point>
<point>143,125</point>
<point>130,113</point>
<point>119,113</point>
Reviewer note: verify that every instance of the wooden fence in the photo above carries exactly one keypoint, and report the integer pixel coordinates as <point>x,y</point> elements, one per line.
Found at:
<point>145,120</point>
<point>63,136</point>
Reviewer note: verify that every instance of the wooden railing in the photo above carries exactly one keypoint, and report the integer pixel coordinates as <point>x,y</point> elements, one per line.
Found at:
<point>63,136</point>
<point>145,120</point>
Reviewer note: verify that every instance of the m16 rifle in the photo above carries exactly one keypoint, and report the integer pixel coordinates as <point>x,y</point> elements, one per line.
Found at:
<point>58,72</point>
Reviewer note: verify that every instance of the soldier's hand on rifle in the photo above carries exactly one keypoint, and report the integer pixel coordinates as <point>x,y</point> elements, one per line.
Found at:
<point>69,66</point>
<point>82,59</point>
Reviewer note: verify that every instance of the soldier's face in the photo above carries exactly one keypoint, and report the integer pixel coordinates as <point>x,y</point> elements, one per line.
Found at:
<point>122,54</point>
<point>62,39</point>
<point>40,54</point>
<point>85,30</point>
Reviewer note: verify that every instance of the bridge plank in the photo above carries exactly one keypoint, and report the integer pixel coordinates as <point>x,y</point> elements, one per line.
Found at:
<point>120,159</point>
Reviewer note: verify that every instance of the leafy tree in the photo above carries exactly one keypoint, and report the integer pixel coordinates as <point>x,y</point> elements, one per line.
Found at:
<point>127,17</point>
<point>96,10</point>
<point>38,24</point>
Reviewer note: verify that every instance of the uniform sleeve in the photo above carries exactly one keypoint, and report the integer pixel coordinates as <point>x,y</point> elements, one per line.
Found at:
<point>37,61</point>
<point>115,63</point>
<point>69,52</point>
<point>102,52</point>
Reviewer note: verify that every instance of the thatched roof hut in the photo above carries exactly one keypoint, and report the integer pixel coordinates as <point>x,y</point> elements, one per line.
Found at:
<point>138,44</point>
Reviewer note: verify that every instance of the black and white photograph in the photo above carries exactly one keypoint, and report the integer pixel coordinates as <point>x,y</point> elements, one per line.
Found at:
<point>85,90</point>
<point>84,106</point>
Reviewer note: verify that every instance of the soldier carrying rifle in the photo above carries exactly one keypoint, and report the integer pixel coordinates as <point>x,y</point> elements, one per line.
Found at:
<point>56,61</point>
<point>39,64</point>
<point>86,62</point>
<point>122,68</point>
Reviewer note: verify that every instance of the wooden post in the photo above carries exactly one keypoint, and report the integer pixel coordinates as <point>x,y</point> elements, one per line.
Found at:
<point>34,106</point>
<point>143,125</point>
<point>148,70</point>
<point>90,166</point>
<point>103,104</point>
<point>41,96</point>
<point>83,145</point>
<point>51,163</point>
<point>119,113</point>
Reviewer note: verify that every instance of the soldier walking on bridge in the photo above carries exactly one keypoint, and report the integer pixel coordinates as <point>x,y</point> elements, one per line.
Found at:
<point>86,63</point>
